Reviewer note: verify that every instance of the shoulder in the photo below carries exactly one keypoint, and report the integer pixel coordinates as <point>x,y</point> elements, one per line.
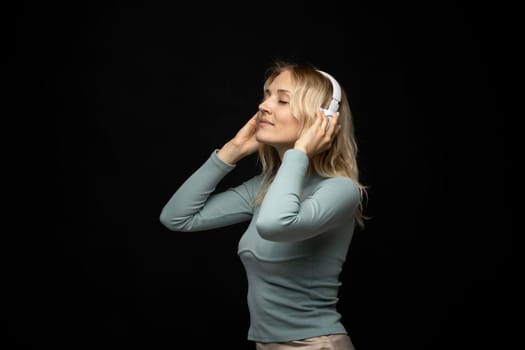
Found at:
<point>340,187</point>
<point>339,182</point>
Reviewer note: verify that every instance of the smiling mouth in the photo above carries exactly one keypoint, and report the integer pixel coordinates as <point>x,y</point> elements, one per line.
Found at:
<point>265,122</point>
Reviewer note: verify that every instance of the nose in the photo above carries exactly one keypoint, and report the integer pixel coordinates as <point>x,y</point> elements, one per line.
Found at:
<point>263,107</point>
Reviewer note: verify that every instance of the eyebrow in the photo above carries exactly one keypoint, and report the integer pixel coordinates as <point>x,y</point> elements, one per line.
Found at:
<point>278,91</point>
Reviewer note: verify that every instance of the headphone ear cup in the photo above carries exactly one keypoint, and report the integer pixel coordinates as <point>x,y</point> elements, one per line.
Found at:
<point>327,112</point>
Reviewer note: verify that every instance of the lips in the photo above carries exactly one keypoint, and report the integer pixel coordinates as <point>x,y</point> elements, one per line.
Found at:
<point>265,122</point>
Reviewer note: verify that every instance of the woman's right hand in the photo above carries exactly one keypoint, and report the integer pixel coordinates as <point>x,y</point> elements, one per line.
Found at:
<point>319,136</point>
<point>242,144</point>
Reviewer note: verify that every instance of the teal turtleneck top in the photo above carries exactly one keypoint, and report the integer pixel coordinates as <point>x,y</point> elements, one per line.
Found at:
<point>293,249</point>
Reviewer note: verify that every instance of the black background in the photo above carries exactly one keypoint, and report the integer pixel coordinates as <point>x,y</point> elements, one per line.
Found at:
<point>117,103</point>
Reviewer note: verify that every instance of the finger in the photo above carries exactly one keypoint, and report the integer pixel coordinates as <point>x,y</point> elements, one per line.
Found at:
<point>325,121</point>
<point>319,120</point>
<point>334,123</point>
<point>336,119</point>
<point>329,123</point>
<point>253,120</point>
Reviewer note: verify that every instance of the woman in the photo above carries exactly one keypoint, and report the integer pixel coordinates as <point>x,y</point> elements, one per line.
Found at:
<point>302,208</point>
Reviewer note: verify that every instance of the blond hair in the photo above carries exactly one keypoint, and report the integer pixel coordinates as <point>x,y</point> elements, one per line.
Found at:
<point>310,90</point>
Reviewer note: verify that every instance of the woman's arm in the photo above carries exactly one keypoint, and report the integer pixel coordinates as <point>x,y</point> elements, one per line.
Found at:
<point>194,207</point>
<point>286,216</point>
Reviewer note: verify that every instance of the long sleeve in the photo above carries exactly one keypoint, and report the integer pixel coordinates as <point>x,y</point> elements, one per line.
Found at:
<point>195,206</point>
<point>286,216</point>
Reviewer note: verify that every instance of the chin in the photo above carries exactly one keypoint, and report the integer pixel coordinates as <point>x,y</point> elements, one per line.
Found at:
<point>273,141</point>
<point>260,138</point>
<point>266,141</point>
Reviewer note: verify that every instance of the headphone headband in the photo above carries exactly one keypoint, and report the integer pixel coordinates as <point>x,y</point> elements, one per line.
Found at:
<point>336,95</point>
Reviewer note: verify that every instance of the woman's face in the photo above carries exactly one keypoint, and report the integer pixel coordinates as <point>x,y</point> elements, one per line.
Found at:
<point>276,126</point>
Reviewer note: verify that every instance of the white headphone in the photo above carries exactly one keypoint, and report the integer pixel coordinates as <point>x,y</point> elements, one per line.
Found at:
<point>336,96</point>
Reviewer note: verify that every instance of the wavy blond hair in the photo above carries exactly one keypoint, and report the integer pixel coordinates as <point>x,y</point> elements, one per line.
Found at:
<point>311,90</point>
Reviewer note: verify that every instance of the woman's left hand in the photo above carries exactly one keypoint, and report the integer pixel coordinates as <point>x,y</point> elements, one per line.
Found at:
<point>319,136</point>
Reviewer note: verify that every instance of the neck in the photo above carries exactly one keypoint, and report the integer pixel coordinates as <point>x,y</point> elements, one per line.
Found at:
<point>281,149</point>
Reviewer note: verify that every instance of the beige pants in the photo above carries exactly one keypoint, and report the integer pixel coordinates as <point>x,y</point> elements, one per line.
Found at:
<point>324,342</point>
